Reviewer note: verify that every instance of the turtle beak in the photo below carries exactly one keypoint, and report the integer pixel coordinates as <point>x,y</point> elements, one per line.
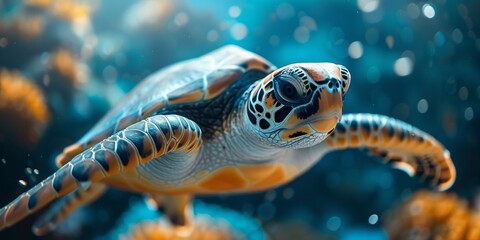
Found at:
<point>330,102</point>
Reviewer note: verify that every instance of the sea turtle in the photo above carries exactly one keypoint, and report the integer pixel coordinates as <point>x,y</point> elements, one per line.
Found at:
<point>227,122</point>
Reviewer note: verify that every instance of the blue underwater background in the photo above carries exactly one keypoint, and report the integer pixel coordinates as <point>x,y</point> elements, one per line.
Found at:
<point>417,61</point>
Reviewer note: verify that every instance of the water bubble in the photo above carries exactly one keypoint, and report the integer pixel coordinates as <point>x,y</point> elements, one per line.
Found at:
<point>28,171</point>
<point>3,42</point>
<point>468,114</point>
<point>4,161</point>
<point>428,10</point>
<point>422,106</point>
<point>413,11</point>
<point>270,195</point>
<point>234,11</point>
<point>285,11</point>
<point>457,35</point>
<point>390,41</point>
<point>373,219</point>
<point>403,66</point>
<point>301,34</point>
<point>308,22</point>
<point>355,50</point>
<point>368,5</point>
<point>36,171</point>
<point>439,39</point>
<point>266,211</point>
<point>110,73</point>
<point>212,35</point>
<point>288,193</point>
<point>334,223</point>
<point>239,31</point>
<point>22,182</point>
<point>463,93</point>
<point>181,19</point>
<point>274,40</point>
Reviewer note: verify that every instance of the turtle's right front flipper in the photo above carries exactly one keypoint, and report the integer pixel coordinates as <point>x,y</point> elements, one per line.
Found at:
<point>398,143</point>
<point>143,141</point>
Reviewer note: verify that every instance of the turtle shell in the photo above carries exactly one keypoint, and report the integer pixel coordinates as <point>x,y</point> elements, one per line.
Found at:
<point>189,81</point>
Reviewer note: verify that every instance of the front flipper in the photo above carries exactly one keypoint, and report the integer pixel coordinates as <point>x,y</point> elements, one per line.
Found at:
<point>398,143</point>
<point>138,144</point>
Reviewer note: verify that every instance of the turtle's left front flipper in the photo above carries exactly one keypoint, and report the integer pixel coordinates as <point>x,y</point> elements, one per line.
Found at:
<point>138,144</point>
<point>398,143</point>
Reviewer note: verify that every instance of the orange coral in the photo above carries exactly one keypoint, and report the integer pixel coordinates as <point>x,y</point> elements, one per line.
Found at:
<point>438,216</point>
<point>70,10</point>
<point>65,64</point>
<point>25,26</point>
<point>204,229</point>
<point>42,4</point>
<point>24,114</point>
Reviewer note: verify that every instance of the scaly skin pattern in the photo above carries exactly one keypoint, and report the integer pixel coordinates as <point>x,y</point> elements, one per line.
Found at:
<point>251,129</point>
<point>397,143</point>
<point>146,140</point>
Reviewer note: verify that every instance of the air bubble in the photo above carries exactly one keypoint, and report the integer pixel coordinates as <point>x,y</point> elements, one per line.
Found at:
<point>373,219</point>
<point>468,114</point>
<point>403,66</point>
<point>239,31</point>
<point>234,11</point>
<point>428,10</point>
<point>422,106</point>
<point>22,182</point>
<point>355,50</point>
<point>288,193</point>
<point>334,223</point>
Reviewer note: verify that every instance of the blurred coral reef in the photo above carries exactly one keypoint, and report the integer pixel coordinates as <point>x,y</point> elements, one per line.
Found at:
<point>24,114</point>
<point>204,228</point>
<point>432,215</point>
<point>211,222</point>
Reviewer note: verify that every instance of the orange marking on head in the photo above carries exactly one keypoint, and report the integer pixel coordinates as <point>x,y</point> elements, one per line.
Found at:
<point>277,177</point>
<point>269,102</point>
<point>317,75</point>
<point>266,80</point>
<point>224,179</point>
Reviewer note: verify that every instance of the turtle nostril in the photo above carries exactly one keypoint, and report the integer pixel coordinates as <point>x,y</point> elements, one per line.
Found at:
<point>337,85</point>
<point>330,85</point>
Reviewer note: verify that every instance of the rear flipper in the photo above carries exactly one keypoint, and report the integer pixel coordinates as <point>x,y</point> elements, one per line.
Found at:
<point>398,143</point>
<point>177,208</point>
<point>67,205</point>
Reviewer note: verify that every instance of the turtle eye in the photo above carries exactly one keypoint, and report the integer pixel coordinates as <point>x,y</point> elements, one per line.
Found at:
<point>289,90</point>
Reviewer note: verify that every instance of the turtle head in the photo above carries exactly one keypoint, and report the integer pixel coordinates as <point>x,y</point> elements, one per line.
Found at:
<point>298,105</point>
